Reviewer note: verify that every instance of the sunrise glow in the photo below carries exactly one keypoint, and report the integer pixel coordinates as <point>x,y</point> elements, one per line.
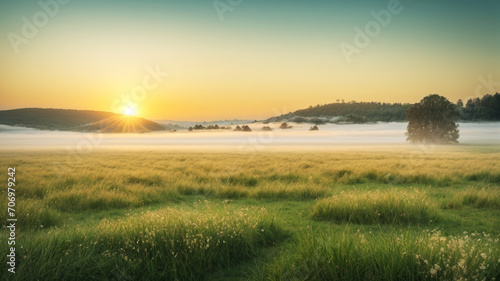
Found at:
<point>129,111</point>
<point>257,60</point>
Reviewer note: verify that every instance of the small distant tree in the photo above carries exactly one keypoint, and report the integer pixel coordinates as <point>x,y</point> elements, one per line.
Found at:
<point>245,128</point>
<point>213,127</point>
<point>199,127</point>
<point>284,125</point>
<point>432,120</point>
<point>314,128</point>
<point>266,128</point>
<point>238,128</point>
<point>190,129</point>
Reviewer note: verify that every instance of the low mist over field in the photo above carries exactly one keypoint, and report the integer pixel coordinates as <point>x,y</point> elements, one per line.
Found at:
<point>327,135</point>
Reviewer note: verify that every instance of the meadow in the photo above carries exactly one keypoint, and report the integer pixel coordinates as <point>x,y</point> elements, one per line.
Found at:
<point>346,213</point>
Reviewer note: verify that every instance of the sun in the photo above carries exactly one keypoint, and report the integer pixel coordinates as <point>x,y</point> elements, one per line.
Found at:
<point>129,111</point>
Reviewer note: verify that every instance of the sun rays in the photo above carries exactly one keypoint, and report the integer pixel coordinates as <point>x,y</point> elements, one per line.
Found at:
<point>124,124</point>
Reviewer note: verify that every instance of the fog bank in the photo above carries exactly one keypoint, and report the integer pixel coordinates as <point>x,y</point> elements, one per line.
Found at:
<point>298,135</point>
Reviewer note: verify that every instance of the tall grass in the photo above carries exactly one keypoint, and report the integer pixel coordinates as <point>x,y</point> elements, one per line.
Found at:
<point>32,214</point>
<point>107,180</point>
<point>94,199</point>
<point>294,191</point>
<point>407,256</point>
<point>168,244</point>
<point>483,176</point>
<point>57,242</point>
<point>389,206</point>
<point>386,177</point>
<point>478,198</point>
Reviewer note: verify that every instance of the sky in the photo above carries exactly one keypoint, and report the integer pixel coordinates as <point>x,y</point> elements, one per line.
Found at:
<point>198,60</point>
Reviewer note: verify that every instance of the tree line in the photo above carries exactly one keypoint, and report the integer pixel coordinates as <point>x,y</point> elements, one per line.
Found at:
<point>368,111</point>
<point>486,108</point>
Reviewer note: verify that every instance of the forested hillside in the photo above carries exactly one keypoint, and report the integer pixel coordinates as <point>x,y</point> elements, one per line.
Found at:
<point>76,120</point>
<point>486,108</point>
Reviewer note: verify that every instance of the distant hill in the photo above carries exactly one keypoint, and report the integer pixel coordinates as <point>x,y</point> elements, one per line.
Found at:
<point>77,120</point>
<point>486,108</point>
<point>354,112</point>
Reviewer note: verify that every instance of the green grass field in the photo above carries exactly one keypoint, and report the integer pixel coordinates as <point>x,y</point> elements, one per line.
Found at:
<point>380,213</point>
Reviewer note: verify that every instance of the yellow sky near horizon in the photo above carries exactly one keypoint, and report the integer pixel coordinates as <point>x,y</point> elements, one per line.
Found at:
<point>222,86</point>
<point>255,64</point>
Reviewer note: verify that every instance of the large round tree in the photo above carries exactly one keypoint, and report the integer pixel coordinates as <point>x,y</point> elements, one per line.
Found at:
<point>432,120</point>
